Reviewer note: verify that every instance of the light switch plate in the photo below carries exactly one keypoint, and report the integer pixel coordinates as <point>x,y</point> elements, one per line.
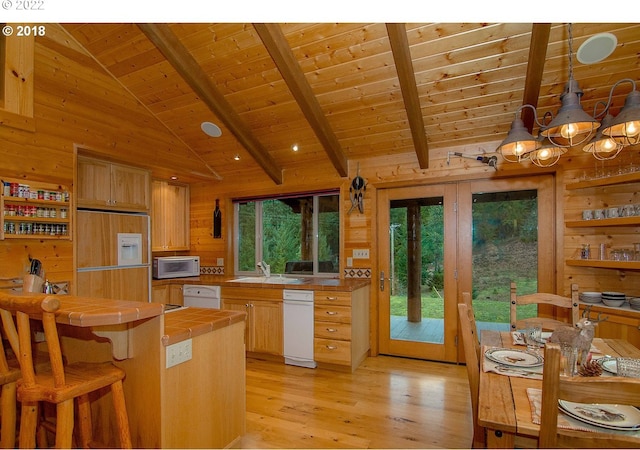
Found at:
<point>360,253</point>
<point>349,261</point>
<point>178,353</point>
<point>220,262</point>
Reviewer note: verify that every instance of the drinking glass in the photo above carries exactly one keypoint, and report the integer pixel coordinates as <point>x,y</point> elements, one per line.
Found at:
<point>568,360</point>
<point>532,335</point>
<point>628,367</point>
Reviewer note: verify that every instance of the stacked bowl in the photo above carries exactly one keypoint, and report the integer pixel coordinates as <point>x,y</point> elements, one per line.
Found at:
<point>590,297</point>
<point>613,298</point>
<point>634,302</point>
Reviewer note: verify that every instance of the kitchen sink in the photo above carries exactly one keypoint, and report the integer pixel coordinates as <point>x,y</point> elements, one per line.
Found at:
<point>268,280</point>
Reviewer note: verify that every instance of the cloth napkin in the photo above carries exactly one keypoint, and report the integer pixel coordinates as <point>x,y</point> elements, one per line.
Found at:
<point>565,421</point>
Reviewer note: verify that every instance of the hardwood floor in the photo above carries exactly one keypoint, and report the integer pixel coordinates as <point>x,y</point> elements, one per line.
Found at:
<point>386,403</point>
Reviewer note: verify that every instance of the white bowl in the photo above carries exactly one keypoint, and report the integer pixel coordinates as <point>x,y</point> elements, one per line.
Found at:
<point>613,294</point>
<point>611,302</point>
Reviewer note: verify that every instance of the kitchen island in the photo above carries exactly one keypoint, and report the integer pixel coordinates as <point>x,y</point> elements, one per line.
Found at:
<point>198,403</point>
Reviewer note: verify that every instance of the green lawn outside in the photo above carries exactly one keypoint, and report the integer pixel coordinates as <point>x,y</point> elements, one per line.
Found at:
<point>485,310</point>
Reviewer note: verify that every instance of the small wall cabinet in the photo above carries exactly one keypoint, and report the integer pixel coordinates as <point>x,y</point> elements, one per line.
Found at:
<point>107,185</point>
<point>169,217</point>
<point>34,210</point>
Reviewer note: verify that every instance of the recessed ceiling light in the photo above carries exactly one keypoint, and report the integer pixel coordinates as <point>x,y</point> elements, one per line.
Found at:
<point>295,147</point>
<point>596,48</point>
<point>173,177</point>
<point>211,129</point>
<point>237,157</point>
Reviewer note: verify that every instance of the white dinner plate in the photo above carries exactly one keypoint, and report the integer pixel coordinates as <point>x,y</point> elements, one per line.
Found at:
<point>513,357</point>
<point>613,417</point>
<point>609,364</point>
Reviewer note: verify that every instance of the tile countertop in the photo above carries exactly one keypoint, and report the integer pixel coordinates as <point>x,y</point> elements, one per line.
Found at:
<point>91,312</point>
<point>191,322</point>
<point>319,284</point>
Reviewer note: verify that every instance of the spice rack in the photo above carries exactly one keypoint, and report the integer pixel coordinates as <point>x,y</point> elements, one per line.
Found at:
<point>34,210</point>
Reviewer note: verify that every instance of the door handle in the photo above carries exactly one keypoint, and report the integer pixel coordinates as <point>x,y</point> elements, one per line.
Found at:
<point>381,280</point>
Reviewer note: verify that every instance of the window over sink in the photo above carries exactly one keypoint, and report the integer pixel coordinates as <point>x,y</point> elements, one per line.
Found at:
<point>295,234</point>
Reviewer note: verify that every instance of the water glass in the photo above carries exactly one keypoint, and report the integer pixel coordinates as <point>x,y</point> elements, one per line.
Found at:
<point>532,336</point>
<point>568,360</point>
<point>628,367</point>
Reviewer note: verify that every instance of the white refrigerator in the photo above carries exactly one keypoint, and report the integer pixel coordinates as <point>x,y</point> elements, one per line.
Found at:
<point>113,255</point>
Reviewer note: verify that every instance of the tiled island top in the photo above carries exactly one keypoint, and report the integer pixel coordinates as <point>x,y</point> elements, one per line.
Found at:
<point>191,322</point>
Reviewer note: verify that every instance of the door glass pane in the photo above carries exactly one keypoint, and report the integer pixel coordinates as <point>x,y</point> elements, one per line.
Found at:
<point>247,236</point>
<point>417,270</point>
<point>505,249</point>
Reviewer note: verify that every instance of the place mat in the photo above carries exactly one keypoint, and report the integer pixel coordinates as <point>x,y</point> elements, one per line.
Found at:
<point>565,421</point>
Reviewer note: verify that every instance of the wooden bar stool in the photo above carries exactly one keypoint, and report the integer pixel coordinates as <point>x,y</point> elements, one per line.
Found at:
<point>9,375</point>
<point>60,385</point>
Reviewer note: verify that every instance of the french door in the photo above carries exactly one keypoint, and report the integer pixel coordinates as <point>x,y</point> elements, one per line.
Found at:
<point>427,237</point>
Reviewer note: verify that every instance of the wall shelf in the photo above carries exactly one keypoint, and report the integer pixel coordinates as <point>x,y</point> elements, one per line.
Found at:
<point>604,264</point>
<point>38,211</point>
<point>616,222</point>
<point>632,177</point>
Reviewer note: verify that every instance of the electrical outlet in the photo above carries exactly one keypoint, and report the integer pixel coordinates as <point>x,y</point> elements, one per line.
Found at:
<point>178,353</point>
<point>349,261</point>
<point>220,262</point>
<point>361,253</point>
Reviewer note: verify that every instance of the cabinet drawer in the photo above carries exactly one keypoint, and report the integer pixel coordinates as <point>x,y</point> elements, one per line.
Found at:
<point>332,298</point>
<point>332,351</point>
<point>341,314</point>
<point>333,330</point>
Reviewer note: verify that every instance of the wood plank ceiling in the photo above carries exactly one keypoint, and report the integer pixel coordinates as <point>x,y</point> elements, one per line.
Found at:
<point>344,92</point>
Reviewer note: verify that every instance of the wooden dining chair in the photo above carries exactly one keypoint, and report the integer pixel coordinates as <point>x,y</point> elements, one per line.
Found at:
<point>62,384</point>
<point>604,389</point>
<point>472,350</point>
<point>571,304</point>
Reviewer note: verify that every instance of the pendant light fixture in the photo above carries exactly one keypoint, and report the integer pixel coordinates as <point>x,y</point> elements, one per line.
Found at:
<point>626,125</point>
<point>572,125</point>
<point>601,146</point>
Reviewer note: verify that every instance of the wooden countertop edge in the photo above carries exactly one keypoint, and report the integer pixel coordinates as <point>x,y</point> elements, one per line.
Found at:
<point>191,322</point>
<point>91,312</point>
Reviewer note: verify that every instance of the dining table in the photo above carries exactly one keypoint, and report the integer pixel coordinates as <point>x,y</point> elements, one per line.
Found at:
<point>504,406</point>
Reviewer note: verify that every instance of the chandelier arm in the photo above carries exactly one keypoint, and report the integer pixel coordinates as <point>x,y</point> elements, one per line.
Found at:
<point>535,113</point>
<point>608,105</point>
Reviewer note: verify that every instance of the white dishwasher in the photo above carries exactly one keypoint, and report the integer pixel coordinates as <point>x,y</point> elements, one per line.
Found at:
<point>298,327</point>
<point>200,296</point>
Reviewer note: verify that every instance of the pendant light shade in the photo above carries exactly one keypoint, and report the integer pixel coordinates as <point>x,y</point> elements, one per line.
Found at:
<point>547,154</point>
<point>626,125</point>
<point>519,143</point>
<point>572,125</point>
<point>601,146</point>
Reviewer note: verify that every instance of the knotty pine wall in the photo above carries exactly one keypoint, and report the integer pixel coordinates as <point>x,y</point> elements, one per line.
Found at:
<point>77,103</point>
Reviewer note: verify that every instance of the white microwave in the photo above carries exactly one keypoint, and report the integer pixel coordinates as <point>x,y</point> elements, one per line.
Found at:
<point>176,266</point>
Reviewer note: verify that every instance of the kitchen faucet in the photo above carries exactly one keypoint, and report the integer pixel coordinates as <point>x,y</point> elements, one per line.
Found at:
<point>266,268</point>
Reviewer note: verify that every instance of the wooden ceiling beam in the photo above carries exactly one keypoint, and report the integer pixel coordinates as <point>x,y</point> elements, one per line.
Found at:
<point>182,61</point>
<point>406,75</point>
<point>535,69</point>
<point>278,47</point>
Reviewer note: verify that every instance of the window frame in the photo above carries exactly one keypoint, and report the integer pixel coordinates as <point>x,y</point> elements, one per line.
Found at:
<point>259,224</point>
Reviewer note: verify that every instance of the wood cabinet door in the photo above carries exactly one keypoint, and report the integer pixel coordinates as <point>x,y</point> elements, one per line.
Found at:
<point>94,183</point>
<point>267,330</point>
<point>170,216</point>
<point>118,284</point>
<point>160,294</point>
<point>242,306</point>
<point>130,188</point>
